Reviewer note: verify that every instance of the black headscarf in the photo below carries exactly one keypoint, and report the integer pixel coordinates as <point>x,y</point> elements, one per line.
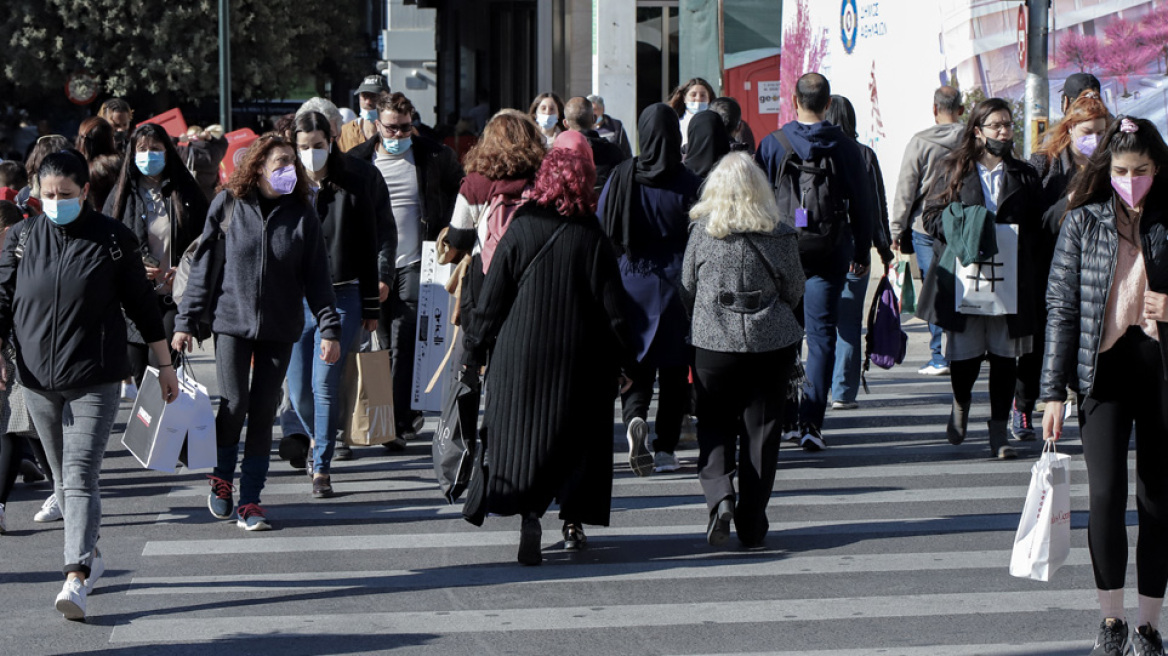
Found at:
<point>708,142</point>
<point>659,135</point>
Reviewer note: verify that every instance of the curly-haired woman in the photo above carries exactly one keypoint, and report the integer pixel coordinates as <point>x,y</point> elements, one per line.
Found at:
<point>552,311</point>
<point>273,256</point>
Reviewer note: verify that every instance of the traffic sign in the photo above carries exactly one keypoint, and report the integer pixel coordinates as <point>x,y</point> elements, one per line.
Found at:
<point>1022,36</point>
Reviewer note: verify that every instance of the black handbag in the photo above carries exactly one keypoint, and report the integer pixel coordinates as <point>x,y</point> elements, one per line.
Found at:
<point>454,445</point>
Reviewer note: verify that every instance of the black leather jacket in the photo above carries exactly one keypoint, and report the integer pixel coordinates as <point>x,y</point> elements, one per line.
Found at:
<point>1081,275</point>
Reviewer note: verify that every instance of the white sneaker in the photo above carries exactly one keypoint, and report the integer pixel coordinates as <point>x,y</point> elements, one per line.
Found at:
<point>129,391</point>
<point>844,405</point>
<point>689,431</point>
<point>933,369</point>
<point>71,600</point>
<point>640,460</point>
<point>96,569</point>
<point>665,462</point>
<point>3,526</point>
<point>50,510</point>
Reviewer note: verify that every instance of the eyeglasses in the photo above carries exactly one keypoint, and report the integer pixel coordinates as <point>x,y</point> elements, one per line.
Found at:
<point>998,127</point>
<point>395,128</point>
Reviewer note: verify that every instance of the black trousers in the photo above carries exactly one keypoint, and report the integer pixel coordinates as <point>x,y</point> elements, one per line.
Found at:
<point>140,354</point>
<point>11,453</point>
<point>1027,387</point>
<point>1129,388</point>
<point>671,402</point>
<point>741,400</point>
<point>397,329</point>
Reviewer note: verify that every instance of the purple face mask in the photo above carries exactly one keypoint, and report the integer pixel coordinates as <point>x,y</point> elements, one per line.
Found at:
<point>1087,144</point>
<point>283,180</point>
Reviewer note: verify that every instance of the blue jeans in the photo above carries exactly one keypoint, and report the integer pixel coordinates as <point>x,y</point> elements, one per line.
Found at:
<point>923,246</point>
<point>819,313</point>
<point>74,426</point>
<point>314,385</point>
<point>849,347</point>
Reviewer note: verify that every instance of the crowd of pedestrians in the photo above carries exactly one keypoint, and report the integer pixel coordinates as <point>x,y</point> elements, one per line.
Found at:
<point>723,274</point>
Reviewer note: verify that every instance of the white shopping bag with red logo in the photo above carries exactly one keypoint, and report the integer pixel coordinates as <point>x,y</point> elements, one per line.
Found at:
<point>156,429</point>
<point>1043,540</point>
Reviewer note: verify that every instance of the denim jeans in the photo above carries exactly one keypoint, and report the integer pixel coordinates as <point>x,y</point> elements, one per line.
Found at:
<point>923,246</point>
<point>314,386</point>
<point>818,312</point>
<point>254,402</point>
<point>849,346</point>
<point>74,426</point>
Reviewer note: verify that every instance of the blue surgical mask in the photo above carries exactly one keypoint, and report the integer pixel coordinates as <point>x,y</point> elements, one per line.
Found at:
<point>695,107</point>
<point>369,114</point>
<point>396,146</point>
<point>150,162</point>
<point>546,121</point>
<point>62,212</point>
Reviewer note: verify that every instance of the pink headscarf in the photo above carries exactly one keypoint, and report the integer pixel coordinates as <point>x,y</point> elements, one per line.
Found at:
<point>577,143</point>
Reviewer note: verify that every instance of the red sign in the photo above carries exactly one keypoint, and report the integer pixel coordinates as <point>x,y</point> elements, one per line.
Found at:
<point>237,145</point>
<point>172,121</point>
<point>1022,36</point>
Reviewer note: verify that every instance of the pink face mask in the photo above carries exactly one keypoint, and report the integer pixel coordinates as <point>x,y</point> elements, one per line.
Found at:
<point>1132,189</point>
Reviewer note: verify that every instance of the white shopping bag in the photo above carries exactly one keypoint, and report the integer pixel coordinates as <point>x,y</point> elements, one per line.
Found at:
<point>156,429</point>
<point>991,288</point>
<point>1043,540</point>
<point>435,306</point>
<point>201,452</point>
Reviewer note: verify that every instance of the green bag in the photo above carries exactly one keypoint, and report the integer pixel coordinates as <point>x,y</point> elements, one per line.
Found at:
<point>906,289</point>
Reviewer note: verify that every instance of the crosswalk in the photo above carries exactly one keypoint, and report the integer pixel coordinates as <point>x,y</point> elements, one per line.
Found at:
<point>891,542</point>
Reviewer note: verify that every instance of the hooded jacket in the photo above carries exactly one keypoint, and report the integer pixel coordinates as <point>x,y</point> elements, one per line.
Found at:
<point>815,140</point>
<point>918,169</point>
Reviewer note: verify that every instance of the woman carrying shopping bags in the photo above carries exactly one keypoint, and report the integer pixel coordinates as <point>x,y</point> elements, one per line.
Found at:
<point>65,277</point>
<point>272,256</point>
<point>1108,307</point>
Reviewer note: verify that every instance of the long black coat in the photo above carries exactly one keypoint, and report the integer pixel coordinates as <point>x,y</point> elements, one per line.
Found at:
<point>1020,203</point>
<point>559,342</point>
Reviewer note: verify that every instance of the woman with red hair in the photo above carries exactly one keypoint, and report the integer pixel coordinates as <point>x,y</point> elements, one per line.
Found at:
<point>551,313</point>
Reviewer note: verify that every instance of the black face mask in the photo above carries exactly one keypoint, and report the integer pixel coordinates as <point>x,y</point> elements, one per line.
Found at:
<point>999,148</point>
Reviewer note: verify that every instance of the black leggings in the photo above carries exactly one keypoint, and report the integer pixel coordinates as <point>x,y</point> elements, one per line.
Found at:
<point>11,453</point>
<point>1129,388</point>
<point>1003,372</point>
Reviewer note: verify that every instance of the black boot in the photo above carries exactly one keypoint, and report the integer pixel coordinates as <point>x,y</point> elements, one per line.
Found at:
<point>1000,440</point>
<point>530,535</point>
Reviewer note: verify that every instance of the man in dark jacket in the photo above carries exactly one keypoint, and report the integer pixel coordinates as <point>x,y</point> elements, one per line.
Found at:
<point>609,128</point>
<point>605,154</point>
<point>918,169</point>
<point>814,139</point>
<point>422,178</point>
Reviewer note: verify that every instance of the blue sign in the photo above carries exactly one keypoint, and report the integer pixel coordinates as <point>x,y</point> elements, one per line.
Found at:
<point>849,25</point>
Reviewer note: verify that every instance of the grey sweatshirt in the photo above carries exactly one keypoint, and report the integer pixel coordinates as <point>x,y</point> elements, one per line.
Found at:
<point>921,164</point>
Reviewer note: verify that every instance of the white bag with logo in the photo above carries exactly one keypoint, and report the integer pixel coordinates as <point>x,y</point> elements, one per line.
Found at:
<point>1043,540</point>
<point>201,445</point>
<point>156,429</point>
<point>991,288</point>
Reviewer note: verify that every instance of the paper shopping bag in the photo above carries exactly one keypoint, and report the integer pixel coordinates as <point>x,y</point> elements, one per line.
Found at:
<point>201,447</point>
<point>902,283</point>
<point>156,429</point>
<point>991,288</point>
<point>369,399</point>
<point>1043,540</point>
<point>453,447</point>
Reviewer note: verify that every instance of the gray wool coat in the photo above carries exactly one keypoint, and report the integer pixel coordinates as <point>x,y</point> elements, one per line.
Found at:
<point>736,304</point>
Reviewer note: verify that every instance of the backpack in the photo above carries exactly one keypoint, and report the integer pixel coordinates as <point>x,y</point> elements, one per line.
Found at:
<point>498,217</point>
<point>811,200</point>
<point>886,343</point>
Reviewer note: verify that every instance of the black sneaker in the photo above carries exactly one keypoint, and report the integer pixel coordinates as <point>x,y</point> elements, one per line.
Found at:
<point>812,439</point>
<point>295,448</point>
<point>1147,641</point>
<point>220,501</point>
<point>1112,639</point>
<point>342,452</point>
<point>1021,425</point>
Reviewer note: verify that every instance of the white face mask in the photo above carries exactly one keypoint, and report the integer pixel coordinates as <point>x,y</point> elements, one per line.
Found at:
<point>546,121</point>
<point>695,107</point>
<point>314,159</point>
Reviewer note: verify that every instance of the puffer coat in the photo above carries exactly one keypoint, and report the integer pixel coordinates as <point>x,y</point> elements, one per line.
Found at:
<point>1081,275</point>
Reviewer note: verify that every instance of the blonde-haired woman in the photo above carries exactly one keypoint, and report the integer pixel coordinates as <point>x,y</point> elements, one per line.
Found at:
<point>742,280</point>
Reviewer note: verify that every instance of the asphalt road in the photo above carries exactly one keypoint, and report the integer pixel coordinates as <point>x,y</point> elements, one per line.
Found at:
<point>890,542</point>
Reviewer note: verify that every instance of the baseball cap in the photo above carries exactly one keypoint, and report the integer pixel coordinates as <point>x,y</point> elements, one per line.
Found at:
<point>372,84</point>
<point>1077,83</point>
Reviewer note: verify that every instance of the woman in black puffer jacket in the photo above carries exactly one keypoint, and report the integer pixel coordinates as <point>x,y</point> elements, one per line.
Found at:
<point>1107,310</point>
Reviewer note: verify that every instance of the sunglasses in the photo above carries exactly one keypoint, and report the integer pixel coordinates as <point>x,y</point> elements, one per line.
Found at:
<point>395,128</point>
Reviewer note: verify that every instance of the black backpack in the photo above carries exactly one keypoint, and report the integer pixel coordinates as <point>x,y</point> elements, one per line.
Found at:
<point>814,187</point>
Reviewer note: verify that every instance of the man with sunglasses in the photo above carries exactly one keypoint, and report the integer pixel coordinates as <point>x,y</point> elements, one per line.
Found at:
<point>423,178</point>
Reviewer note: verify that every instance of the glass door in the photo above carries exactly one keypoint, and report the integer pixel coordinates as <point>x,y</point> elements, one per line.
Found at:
<point>657,51</point>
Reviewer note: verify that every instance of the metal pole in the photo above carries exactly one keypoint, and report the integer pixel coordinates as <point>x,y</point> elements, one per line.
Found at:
<point>225,64</point>
<point>1037,84</point>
